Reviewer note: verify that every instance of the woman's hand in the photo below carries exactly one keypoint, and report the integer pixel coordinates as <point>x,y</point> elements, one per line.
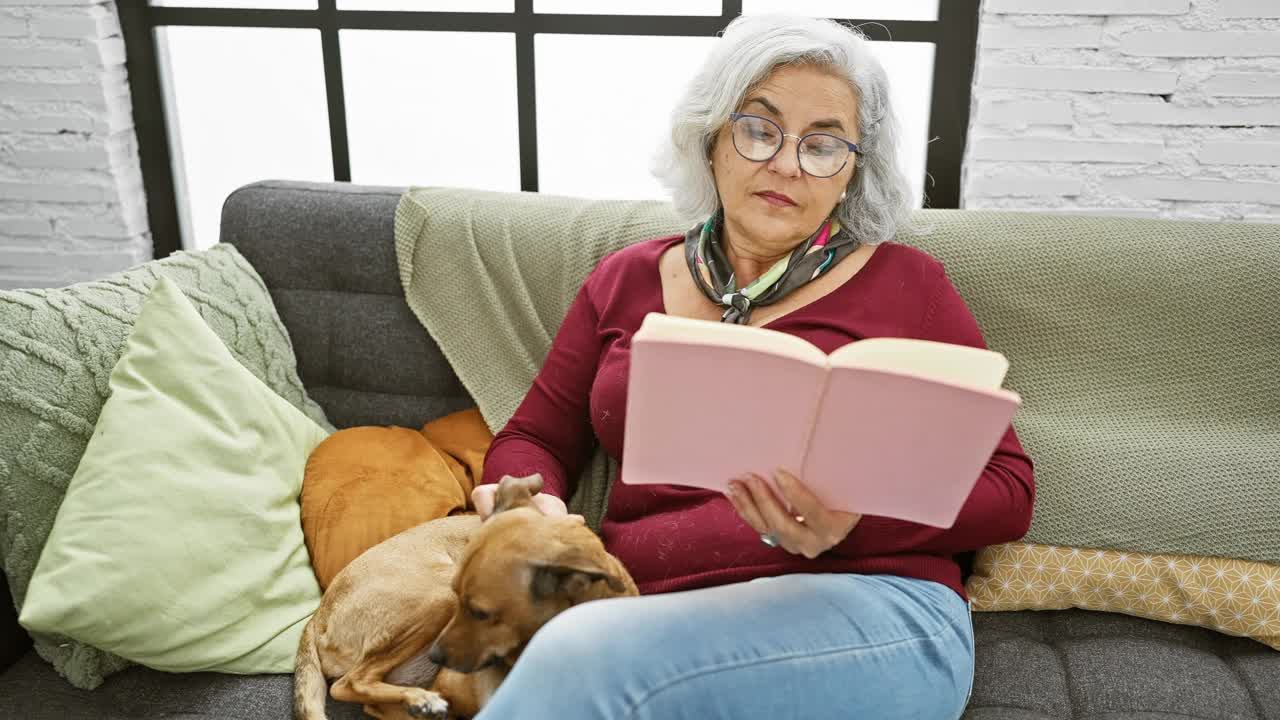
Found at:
<point>798,520</point>
<point>483,497</point>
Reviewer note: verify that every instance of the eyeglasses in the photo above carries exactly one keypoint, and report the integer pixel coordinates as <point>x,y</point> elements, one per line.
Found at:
<point>819,154</point>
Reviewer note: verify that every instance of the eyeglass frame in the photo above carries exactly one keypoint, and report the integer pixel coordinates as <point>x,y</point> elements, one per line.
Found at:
<point>853,147</point>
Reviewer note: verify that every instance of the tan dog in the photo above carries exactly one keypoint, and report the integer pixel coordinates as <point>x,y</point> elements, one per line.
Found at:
<point>520,570</point>
<point>367,484</point>
<point>382,615</point>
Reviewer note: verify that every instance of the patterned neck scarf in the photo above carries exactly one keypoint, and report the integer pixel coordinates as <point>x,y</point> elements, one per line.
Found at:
<point>712,272</point>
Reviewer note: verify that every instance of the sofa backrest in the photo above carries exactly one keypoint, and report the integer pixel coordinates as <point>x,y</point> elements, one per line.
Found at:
<point>1145,350</point>
<point>327,254</point>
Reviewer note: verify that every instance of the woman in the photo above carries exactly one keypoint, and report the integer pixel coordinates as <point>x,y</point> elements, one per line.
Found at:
<point>754,606</point>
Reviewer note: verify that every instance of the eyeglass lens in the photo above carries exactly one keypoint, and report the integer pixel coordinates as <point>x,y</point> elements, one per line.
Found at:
<point>758,139</point>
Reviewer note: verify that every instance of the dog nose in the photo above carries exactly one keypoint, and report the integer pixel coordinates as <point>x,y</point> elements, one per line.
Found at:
<point>438,656</point>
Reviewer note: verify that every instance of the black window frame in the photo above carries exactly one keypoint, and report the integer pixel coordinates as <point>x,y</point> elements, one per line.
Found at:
<point>954,35</point>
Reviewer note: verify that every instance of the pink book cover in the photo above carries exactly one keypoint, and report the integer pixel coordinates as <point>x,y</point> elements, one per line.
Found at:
<point>707,404</point>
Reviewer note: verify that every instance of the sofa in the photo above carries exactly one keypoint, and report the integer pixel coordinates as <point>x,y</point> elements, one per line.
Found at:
<point>326,253</point>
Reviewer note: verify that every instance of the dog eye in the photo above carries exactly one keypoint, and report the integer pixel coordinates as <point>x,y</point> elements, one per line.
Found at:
<point>476,614</point>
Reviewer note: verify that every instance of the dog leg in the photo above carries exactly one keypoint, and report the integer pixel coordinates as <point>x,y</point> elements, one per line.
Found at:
<point>417,671</point>
<point>363,685</point>
<point>394,712</point>
<point>463,692</point>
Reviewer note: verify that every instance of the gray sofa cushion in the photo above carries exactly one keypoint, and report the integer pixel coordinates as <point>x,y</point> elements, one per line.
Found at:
<point>1081,665</point>
<point>1055,665</point>
<point>326,252</point>
<point>32,690</point>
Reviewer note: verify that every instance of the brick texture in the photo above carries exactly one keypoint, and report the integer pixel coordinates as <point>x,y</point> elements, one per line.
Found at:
<point>1248,9</point>
<point>1071,36</point>
<point>1021,113</point>
<point>1222,116</point>
<point>71,201</point>
<point>1240,153</point>
<point>1068,150</point>
<point>1182,43</point>
<point>1133,108</point>
<point>1088,7</point>
<point>1080,78</point>
<point>1243,84</point>
<point>1025,182</point>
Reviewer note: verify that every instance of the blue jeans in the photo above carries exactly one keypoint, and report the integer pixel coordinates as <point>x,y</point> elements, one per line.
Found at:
<point>794,646</point>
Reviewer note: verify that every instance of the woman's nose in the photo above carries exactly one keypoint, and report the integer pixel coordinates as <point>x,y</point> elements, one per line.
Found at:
<point>787,160</point>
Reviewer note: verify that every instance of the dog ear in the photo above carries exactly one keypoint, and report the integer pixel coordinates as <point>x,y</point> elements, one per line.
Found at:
<point>514,492</point>
<point>573,563</point>
<point>573,582</point>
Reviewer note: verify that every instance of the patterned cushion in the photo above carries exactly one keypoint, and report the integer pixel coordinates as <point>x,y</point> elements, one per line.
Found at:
<point>1232,596</point>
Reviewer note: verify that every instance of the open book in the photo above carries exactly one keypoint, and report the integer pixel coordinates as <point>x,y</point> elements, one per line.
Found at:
<point>895,427</point>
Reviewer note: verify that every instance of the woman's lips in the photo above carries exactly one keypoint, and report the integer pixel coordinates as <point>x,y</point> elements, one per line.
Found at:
<point>776,199</point>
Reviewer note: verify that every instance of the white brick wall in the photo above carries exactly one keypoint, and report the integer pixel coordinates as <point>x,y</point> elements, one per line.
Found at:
<point>1150,108</point>
<point>71,201</point>
<point>1158,108</point>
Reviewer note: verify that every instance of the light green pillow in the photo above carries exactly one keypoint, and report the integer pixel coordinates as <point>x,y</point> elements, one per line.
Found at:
<point>58,347</point>
<point>178,544</point>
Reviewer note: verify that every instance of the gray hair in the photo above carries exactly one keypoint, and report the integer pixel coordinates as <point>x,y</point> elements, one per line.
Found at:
<point>751,47</point>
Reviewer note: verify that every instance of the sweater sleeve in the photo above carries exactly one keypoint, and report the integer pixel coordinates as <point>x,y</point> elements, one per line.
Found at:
<point>550,432</point>
<point>999,508</point>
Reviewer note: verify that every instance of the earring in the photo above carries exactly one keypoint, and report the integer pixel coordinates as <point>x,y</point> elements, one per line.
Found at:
<point>844,195</point>
<point>711,163</point>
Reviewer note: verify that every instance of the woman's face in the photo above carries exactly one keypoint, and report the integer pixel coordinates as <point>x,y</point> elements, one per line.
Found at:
<point>775,202</point>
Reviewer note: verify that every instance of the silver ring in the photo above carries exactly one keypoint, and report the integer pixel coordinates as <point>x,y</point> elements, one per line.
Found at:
<point>770,539</point>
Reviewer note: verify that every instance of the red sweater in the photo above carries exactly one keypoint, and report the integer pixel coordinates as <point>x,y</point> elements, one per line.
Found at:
<point>677,538</point>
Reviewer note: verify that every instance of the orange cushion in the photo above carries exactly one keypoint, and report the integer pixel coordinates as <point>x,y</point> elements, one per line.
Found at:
<point>363,485</point>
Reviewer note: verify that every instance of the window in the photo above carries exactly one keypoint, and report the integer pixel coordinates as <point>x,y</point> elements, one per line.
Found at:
<point>494,94</point>
<point>579,152</point>
<point>257,112</point>
<point>410,124</point>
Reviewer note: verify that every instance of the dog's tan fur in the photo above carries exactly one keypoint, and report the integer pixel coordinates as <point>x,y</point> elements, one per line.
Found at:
<point>398,603</point>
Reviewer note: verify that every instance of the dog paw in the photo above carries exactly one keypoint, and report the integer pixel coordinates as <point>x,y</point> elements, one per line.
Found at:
<point>428,705</point>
